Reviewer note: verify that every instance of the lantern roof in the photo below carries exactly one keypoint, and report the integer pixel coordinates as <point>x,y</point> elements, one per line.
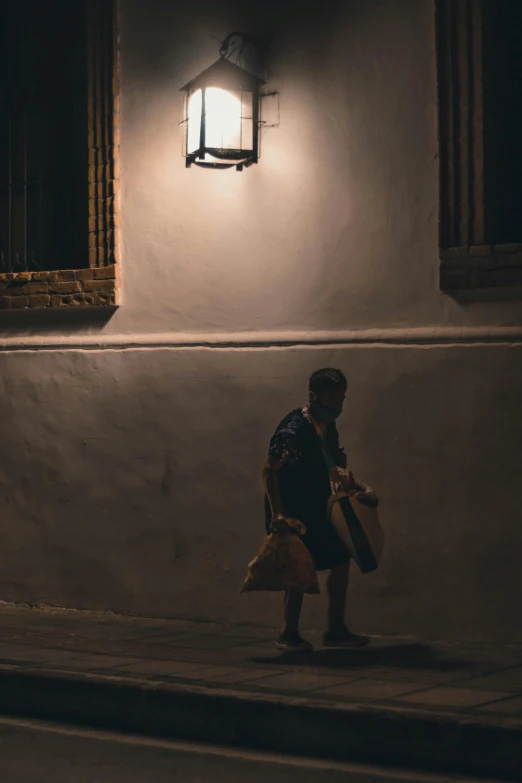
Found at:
<point>225,75</point>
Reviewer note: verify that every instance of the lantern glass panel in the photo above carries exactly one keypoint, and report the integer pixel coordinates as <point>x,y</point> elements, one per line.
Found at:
<point>223,119</point>
<point>193,129</point>
<point>247,125</point>
<point>228,121</point>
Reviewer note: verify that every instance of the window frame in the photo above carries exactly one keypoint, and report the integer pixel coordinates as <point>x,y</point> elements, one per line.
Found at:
<point>468,260</point>
<point>98,284</point>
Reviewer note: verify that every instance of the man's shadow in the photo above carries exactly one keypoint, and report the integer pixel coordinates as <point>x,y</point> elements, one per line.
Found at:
<point>396,656</point>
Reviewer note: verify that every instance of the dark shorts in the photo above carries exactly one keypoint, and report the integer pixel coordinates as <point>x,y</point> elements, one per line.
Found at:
<point>325,546</point>
<point>323,543</point>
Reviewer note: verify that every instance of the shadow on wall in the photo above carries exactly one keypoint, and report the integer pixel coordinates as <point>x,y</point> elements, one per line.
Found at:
<point>445,428</point>
<point>47,321</point>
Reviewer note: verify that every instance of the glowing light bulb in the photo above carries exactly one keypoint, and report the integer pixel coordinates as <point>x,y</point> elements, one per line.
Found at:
<point>223,119</point>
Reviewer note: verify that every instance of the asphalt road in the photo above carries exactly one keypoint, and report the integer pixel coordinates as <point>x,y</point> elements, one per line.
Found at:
<point>33,752</point>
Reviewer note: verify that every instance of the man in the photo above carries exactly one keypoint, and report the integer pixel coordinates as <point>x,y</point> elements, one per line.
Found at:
<point>297,483</point>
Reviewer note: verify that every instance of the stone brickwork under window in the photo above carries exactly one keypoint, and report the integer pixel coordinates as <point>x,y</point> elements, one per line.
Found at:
<point>481,266</point>
<point>95,287</point>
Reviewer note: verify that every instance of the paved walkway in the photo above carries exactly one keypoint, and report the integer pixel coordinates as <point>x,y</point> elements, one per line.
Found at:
<point>450,709</point>
<point>460,678</point>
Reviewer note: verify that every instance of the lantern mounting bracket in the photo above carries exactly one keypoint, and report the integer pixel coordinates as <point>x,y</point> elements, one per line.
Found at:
<point>227,52</point>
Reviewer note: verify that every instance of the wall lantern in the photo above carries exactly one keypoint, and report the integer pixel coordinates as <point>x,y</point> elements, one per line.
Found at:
<point>221,120</point>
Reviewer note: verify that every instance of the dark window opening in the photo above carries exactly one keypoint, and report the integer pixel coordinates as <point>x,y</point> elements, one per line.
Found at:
<point>503,120</point>
<point>43,136</point>
<point>480,121</point>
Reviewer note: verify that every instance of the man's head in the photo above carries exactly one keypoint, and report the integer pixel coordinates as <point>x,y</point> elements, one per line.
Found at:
<point>327,389</point>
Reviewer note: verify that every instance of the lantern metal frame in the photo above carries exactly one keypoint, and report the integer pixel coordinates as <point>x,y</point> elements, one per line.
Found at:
<point>230,77</point>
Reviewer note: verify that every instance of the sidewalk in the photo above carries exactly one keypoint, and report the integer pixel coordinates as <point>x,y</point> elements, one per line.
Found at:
<point>438,707</point>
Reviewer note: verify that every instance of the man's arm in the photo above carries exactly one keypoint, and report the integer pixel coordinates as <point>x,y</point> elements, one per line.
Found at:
<point>337,452</point>
<point>271,484</point>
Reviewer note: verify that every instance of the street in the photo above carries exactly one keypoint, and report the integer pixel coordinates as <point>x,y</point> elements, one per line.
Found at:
<point>33,752</point>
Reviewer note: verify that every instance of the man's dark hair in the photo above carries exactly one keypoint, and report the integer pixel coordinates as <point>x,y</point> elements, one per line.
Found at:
<point>326,379</point>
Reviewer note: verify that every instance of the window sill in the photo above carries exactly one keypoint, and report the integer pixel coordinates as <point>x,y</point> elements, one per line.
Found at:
<point>481,267</point>
<point>75,288</point>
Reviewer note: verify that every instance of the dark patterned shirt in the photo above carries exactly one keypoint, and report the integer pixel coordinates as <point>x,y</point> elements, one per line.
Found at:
<point>304,483</point>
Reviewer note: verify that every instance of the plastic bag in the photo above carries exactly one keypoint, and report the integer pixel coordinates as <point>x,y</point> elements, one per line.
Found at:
<point>283,563</point>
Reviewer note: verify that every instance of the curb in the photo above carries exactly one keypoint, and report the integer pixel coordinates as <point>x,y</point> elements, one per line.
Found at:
<point>405,737</point>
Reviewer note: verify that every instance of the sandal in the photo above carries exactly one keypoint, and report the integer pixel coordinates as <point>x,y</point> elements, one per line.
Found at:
<point>294,643</point>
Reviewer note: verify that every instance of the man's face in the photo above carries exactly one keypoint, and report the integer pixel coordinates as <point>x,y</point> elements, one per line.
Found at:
<point>332,399</point>
<point>328,405</point>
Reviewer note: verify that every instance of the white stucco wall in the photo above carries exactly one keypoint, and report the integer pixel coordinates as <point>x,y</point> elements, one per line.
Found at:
<point>130,476</point>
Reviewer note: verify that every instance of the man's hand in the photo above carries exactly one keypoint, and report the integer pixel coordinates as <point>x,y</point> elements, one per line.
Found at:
<point>352,484</point>
<point>282,524</point>
<point>278,524</point>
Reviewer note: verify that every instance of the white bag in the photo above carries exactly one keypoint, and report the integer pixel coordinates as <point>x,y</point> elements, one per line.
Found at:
<point>356,523</point>
<point>359,529</point>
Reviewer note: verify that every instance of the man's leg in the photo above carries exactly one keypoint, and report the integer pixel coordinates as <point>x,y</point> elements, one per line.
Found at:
<point>338,634</point>
<point>337,587</point>
<point>292,612</point>
<point>290,638</point>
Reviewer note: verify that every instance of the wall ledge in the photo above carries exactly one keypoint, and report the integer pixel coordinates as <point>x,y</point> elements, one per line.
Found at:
<point>428,336</point>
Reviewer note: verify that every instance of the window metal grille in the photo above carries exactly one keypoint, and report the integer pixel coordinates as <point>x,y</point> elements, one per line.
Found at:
<point>43,135</point>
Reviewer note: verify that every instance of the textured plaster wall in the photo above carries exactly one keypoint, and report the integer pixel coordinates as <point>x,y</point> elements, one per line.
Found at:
<point>136,486</point>
<point>337,226</point>
<point>129,479</point>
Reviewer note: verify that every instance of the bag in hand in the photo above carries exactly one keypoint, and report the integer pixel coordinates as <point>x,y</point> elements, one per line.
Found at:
<point>353,513</point>
<point>283,563</point>
<point>355,517</point>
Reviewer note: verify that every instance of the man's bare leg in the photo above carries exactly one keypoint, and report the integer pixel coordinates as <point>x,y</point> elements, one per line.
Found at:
<point>290,639</point>
<point>338,634</point>
<point>337,587</point>
<point>293,603</point>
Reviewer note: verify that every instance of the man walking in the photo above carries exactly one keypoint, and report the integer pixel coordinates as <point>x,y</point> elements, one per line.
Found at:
<point>297,484</point>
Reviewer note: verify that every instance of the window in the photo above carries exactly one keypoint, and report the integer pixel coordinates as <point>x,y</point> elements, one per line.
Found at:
<point>58,153</point>
<point>480,114</point>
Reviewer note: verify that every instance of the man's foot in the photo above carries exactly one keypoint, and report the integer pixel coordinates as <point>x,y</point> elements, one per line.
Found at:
<point>293,643</point>
<point>344,638</point>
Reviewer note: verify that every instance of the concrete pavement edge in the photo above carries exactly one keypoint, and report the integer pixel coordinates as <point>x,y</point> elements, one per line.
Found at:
<point>434,741</point>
